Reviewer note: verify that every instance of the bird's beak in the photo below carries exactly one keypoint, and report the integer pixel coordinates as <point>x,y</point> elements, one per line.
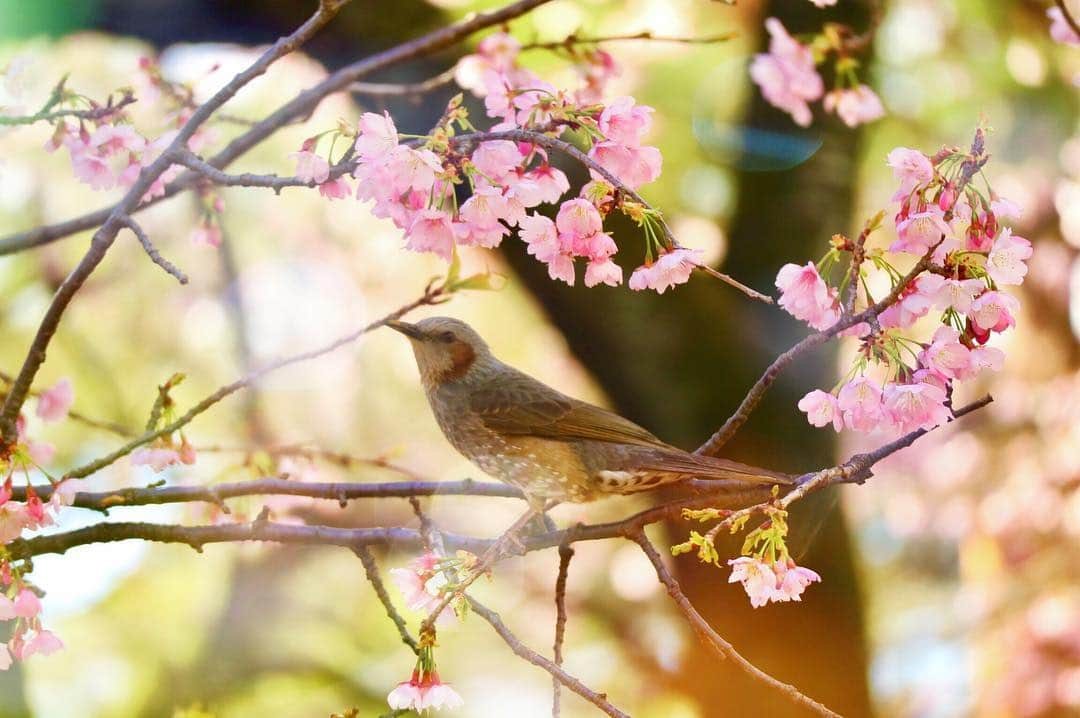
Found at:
<point>409,330</point>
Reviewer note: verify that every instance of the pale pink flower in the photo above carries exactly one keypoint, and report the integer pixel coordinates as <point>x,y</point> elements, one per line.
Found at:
<point>990,358</point>
<point>756,576</point>
<point>1060,29</point>
<point>792,580</point>
<point>578,218</point>
<point>597,247</point>
<point>911,169</point>
<point>63,494</point>
<point>407,695</point>
<point>598,68</point>
<point>551,184</point>
<point>624,122</point>
<point>994,311</point>
<point>411,585</point>
<point>497,159</point>
<point>855,106</point>
<point>1005,208</point>
<point>157,458</point>
<point>111,139</point>
<point>822,409</point>
<point>916,406</point>
<point>541,236</point>
<point>536,104</point>
<point>474,235</point>
<point>27,604</point>
<point>859,401</point>
<point>633,166</point>
<point>335,189</point>
<point>92,169</point>
<point>5,658</point>
<point>561,268</point>
<point>603,271</point>
<point>946,355</point>
<point>1006,262</point>
<point>378,136</point>
<point>431,231</point>
<point>207,233</point>
<point>485,208</point>
<point>670,268</point>
<point>7,608</point>
<point>45,643</point>
<point>13,519</point>
<point>310,167</point>
<point>786,74</point>
<point>804,295</point>
<point>911,306</point>
<point>439,695</point>
<point>53,403</point>
<point>920,231</point>
<point>500,49</point>
<point>945,293</point>
<point>407,169</point>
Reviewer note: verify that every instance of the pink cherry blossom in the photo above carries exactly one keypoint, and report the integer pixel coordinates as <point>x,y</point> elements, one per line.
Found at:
<point>1005,208</point>
<point>821,409</point>
<point>541,236</point>
<point>335,189</point>
<point>945,293</point>
<point>431,231</point>
<point>157,458</point>
<point>994,311</point>
<point>855,106</point>
<point>207,233</point>
<point>44,643</point>
<point>670,268</point>
<point>551,183</point>
<point>603,271</point>
<point>1060,29</point>
<point>5,658</point>
<point>561,268</point>
<point>911,306</point>
<point>475,235</point>
<point>406,168</point>
<point>407,695</point>
<point>378,136</point>
<point>13,519</point>
<point>633,166</point>
<point>792,580</point>
<point>310,167</point>
<point>946,355</point>
<point>859,401</point>
<point>7,608</point>
<point>624,122</point>
<point>920,231</point>
<point>112,139</point>
<point>990,358</point>
<point>804,295</point>
<point>786,74</point>
<point>92,169</point>
<point>485,208</point>
<point>920,405</point>
<point>53,403</point>
<point>27,604</point>
<point>497,159</point>
<point>756,576</point>
<point>439,695</point>
<point>1006,262</point>
<point>911,169</point>
<point>578,218</point>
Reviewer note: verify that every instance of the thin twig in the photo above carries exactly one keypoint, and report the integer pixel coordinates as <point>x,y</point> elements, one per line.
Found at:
<point>566,552</point>
<point>389,89</point>
<point>1069,17</point>
<point>522,651</point>
<point>151,250</point>
<point>93,114</point>
<point>714,640</point>
<point>432,295</point>
<point>574,39</point>
<point>371,568</point>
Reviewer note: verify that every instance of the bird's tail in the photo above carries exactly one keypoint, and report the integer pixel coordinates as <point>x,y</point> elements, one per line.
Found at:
<point>711,467</point>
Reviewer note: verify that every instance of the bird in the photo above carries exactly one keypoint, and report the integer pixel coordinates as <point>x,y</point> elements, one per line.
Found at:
<point>551,446</point>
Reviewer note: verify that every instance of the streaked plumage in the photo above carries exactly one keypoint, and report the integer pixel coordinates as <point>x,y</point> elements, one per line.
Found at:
<point>550,445</point>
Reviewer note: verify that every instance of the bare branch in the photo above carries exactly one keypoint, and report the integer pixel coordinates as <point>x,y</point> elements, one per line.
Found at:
<point>714,640</point>
<point>1069,18</point>
<point>412,89</point>
<point>372,570</point>
<point>195,163</point>
<point>93,114</point>
<point>566,553</point>
<point>522,651</point>
<point>151,250</point>
<point>574,39</point>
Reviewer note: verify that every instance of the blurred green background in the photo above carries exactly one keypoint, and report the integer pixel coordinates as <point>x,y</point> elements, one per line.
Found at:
<point>948,582</point>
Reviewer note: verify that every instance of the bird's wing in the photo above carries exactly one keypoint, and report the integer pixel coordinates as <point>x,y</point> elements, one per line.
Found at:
<point>706,467</point>
<point>519,405</point>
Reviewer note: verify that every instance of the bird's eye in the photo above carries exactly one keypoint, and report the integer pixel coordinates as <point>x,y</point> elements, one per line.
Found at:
<point>446,337</point>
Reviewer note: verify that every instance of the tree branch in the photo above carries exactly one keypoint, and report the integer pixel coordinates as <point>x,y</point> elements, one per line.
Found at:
<point>371,569</point>
<point>714,640</point>
<point>566,552</point>
<point>522,651</point>
<point>151,250</point>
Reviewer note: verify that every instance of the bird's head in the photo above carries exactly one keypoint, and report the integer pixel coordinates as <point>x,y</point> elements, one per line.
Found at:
<point>445,348</point>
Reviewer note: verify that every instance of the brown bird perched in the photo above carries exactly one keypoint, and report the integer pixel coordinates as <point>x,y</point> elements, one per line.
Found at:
<point>549,445</point>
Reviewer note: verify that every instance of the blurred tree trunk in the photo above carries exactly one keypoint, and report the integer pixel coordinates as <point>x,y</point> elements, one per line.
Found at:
<point>679,364</point>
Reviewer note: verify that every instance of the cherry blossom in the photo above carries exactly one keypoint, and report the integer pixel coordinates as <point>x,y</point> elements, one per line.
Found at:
<point>822,409</point>
<point>53,403</point>
<point>1006,262</point>
<point>670,268</point>
<point>860,403</point>
<point>786,74</point>
<point>804,295</point>
<point>1060,29</point>
<point>625,122</point>
<point>431,231</point>
<point>407,695</point>
<point>911,169</point>
<point>156,457</point>
<point>919,405</point>
<point>994,311</point>
<point>855,106</point>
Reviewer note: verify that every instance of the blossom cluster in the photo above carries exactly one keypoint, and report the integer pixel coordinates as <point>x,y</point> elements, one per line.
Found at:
<point>422,584</point>
<point>18,602</point>
<point>767,582</point>
<point>936,331</point>
<point>414,182</point>
<point>788,77</point>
